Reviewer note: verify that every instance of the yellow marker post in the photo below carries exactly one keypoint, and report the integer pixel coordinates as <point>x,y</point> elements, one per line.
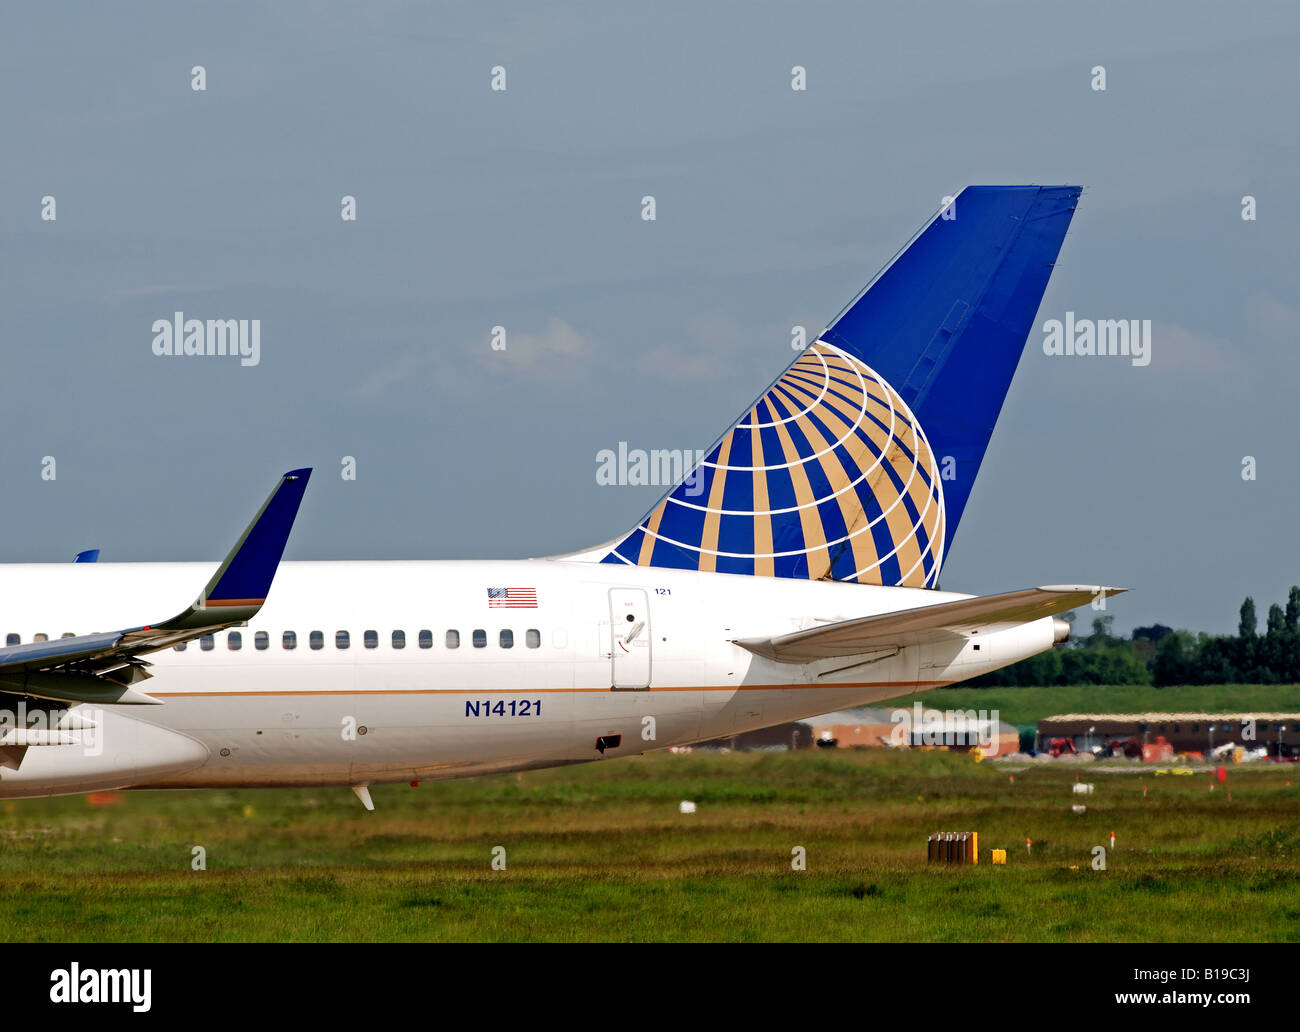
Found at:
<point>999,858</point>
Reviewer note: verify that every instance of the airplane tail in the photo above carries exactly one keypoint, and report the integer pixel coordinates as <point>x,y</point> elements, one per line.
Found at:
<point>857,462</point>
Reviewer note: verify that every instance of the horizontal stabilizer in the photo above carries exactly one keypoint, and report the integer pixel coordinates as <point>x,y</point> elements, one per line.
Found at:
<point>987,613</point>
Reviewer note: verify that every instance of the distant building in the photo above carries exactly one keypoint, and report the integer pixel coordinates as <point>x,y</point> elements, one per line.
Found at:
<point>1185,732</point>
<point>869,726</point>
<point>874,727</point>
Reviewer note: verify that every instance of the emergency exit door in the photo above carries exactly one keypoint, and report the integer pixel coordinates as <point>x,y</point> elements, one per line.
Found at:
<point>629,627</point>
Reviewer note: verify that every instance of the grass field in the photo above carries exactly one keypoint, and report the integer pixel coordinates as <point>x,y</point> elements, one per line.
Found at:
<point>600,852</point>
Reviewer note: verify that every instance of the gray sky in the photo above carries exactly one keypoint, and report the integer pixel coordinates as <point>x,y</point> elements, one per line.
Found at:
<point>522,209</point>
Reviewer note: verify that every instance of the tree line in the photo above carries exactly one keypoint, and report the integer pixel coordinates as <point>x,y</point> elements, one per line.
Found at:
<point>1161,656</point>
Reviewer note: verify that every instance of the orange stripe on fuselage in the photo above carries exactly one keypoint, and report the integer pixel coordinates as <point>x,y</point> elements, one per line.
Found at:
<point>558,691</point>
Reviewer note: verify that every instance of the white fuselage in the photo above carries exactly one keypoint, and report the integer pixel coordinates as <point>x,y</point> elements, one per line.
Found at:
<point>578,669</point>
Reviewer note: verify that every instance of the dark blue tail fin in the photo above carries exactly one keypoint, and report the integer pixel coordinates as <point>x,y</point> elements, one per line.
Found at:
<point>857,463</point>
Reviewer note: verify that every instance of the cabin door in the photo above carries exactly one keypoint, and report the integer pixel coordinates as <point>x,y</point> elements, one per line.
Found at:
<point>629,627</point>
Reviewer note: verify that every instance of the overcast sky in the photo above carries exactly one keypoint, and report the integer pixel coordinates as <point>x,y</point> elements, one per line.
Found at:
<point>522,209</point>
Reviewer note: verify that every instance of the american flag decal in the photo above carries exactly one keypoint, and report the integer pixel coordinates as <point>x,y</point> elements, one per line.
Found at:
<point>512,598</point>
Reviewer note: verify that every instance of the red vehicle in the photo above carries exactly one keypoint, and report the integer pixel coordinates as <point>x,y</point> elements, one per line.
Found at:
<point>1062,747</point>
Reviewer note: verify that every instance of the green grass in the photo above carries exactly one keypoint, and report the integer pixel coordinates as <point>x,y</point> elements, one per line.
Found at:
<point>599,852</point>
<point>1029,705</point>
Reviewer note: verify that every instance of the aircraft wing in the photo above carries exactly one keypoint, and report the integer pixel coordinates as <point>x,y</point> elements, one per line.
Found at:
<point>101,667</point>
<point>865,634</point>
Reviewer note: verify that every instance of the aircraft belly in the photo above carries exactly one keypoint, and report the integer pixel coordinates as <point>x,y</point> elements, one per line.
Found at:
<point>373,737</point>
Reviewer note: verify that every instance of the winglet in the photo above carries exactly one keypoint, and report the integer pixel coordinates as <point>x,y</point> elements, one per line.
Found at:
<point>240,586</point>
<point>102,667</point>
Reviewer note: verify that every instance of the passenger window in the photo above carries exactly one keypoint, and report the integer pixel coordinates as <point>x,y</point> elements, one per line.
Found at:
<point>67,634</point>
<point>234,641</point>
<point>453,639</point>
<point>261,640</point>
<point>533,638</point>
<point>341,640</point>
<point>480,638</point>
<point>13,639</point>
<point>371,639</point>
<point>206,642</point>
<point>399,639</point>
<point>40,637</point>
<point>507,639</point>
<point>316,640</point>
<point>180,647</point>
<point>426,639</point>
<point>289,640</point>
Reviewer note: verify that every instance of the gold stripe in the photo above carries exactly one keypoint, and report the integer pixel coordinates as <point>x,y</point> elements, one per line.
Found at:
<point>763,566</point>
<point>898,522</point>
<point>839,416</point>
<point>647,539</point>
<point>851,510</point>
<point>851,411</point>
<point>814,534</point>
<point>920,494</point>
<point>855,515</point>
<point>712,520</point>
<point>909,548</point>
